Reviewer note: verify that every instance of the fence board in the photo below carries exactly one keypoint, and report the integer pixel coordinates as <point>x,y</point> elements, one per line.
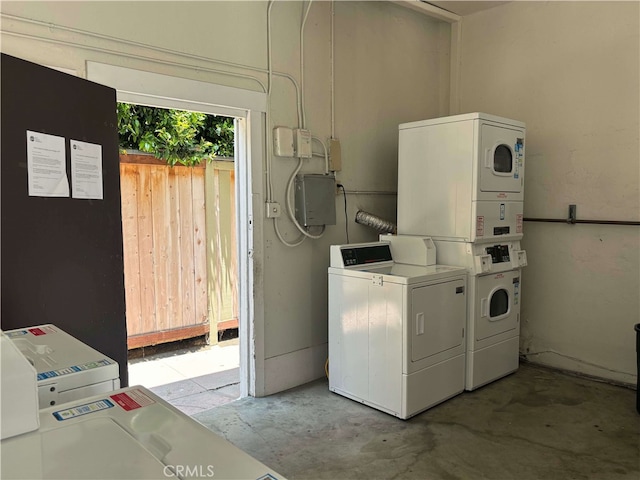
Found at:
<point>187,272</point>
<point>160,234</point>
<point>174,254</point>
<point>199,245</point>
<point>225,245</point>
<point>223,271</point>
<point>233,280</point>
<point>146,254</point>
<point>129,176</point>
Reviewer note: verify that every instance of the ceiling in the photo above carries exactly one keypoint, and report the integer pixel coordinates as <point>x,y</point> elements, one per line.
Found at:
<point>464,8</point>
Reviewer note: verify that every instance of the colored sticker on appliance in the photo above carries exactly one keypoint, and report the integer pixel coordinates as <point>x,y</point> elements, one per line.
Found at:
<point>17,333</point>
<point>132,399</point>
<point>519,156</point>
<point>37,331</point>
<point>83,410</point>
<point>519,218</point>
<point>74,369</point>
<point>479,226</point>
<point>502,195</point>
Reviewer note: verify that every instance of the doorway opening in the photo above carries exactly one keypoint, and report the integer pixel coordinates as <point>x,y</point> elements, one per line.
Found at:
<point>248,109</point>
<point>180,254</point>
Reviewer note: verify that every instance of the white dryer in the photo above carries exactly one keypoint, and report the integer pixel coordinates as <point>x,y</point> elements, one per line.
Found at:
<point>468,173</point>
<point>396,331</point>
<point>493,317</point>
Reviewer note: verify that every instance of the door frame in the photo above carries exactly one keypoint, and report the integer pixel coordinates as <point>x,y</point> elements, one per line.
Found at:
<point>248,108</point>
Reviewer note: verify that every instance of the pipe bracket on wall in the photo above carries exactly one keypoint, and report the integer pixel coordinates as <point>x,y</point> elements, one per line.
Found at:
<point>572,214</point>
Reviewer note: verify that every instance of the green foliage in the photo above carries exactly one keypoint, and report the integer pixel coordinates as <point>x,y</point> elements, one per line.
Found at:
<point>175,136</point>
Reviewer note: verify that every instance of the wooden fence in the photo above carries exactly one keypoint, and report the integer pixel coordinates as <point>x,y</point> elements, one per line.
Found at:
<point>164,235</point>
<point>179,249</point>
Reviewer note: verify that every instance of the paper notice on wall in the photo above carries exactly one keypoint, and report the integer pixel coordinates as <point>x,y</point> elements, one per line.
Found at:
<point>46,165</point>
<point>86,170</point>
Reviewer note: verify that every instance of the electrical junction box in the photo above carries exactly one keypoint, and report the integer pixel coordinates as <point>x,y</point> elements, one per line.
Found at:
<point>272,209</point>
<point>283,142</point>
<point>335,157</point>
<point>302,139</point>
<point>315,199</point>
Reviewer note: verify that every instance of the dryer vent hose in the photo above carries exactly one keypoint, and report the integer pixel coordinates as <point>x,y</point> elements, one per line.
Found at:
<point>373,221</point>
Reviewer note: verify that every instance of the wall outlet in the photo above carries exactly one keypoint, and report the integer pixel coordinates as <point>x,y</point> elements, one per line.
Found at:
<point>272,209</point>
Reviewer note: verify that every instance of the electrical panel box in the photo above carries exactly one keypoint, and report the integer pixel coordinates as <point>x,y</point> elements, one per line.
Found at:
<point>315,199</point>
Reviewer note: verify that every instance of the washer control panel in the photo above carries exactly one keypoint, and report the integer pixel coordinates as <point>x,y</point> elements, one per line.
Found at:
<point>344,256</point>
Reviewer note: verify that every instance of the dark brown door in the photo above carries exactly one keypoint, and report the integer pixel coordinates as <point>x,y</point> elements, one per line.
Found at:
<point>61,256</point>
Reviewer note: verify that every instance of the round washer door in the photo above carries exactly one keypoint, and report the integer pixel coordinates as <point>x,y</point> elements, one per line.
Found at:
<point>497,304</point>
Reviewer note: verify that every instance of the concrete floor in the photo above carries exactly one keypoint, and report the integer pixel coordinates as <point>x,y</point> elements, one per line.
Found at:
<point>192,379</point>
<point>535,424</point>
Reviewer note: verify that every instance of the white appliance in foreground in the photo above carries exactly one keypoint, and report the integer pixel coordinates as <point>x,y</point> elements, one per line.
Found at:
<point>67,369</point>
<point>18,391</point>
<point>127,434</point>
<point>493,322</point>
<point>462,178</point>
<point>396,331</point>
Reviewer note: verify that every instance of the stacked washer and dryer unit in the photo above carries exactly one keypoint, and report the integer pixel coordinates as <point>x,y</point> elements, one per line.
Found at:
<point>461,182</point>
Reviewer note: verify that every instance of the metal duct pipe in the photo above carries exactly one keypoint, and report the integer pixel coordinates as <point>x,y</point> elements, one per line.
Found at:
<point>373,221</point>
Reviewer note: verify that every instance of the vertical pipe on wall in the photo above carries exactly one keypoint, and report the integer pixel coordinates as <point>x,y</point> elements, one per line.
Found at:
<point>333,77</point>
<point>454,68</point>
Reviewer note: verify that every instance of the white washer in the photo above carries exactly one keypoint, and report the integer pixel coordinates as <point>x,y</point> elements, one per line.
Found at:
<point>18,391</point>
<point>467,172</point>
<point>67,368</point>
<point>396,331</point>
<point>129,433</point>
<point>493,317</point>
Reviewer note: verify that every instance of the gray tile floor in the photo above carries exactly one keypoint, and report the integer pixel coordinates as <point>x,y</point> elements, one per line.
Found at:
<point>192,380</point>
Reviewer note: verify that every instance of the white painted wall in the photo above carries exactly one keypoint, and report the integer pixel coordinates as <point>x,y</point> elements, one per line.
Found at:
<point>570,71</point>
<point>378,84</point>
<point>391,66</point>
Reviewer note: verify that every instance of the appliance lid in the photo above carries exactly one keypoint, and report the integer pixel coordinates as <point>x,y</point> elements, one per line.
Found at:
<point>402,273</point>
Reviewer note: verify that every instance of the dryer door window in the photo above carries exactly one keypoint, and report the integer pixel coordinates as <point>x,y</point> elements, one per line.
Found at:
<point>498,303</point>
<point>501,159</point>
<point>496,308</point>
